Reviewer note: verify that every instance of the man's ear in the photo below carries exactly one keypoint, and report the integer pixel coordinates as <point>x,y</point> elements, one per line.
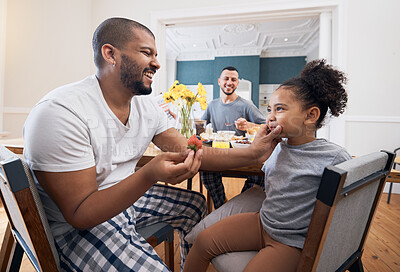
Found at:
<point>313,114</point>
<point>107,50</point>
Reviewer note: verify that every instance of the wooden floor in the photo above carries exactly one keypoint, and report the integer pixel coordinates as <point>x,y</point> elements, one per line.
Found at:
<point>382,250</point>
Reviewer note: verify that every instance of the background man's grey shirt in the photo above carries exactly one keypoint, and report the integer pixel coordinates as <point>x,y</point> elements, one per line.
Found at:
<point>220,114</point>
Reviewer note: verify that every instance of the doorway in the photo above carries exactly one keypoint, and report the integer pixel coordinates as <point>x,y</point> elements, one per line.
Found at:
<point>336,9</point>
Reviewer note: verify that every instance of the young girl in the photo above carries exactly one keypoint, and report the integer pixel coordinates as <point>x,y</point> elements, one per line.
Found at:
<point>292,176</point>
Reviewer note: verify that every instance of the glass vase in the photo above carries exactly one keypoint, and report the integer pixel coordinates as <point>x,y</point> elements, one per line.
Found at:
<point>185,122</point>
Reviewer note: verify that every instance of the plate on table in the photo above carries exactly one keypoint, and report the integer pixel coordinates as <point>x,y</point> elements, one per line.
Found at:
<point>240,143</point>
<point>227,134</point>
<point>207,137</point>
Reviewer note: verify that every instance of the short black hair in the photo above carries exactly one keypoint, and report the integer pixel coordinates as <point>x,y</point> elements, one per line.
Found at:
<point>230,68</point>
<point>114,31</point>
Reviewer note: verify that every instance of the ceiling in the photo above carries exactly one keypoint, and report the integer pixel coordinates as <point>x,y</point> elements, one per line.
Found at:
<point>278,38</point>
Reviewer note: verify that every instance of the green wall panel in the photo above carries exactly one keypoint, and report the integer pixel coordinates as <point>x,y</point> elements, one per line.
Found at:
<point>193,72</point>
<point>257,70</point>
<point>278,70</point>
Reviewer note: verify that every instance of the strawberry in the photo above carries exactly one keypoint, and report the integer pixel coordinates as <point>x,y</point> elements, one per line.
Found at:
<point>194,143</point>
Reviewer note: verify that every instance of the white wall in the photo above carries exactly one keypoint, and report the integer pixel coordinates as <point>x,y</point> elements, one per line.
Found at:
<point>313,54</point>
<point>373,69</point>
<point>171,67</point>
<point>373,114</point>
<point>48,43</point>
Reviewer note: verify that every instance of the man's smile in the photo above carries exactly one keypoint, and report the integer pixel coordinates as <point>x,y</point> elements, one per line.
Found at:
<point>149,74</point>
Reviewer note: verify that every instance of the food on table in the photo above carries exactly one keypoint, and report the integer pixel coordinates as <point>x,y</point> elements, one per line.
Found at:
<point>207,136</point>
<point>253,130</point>
<point>220,142</point>
<point>194,143</point>
<point>235,137</point>
<point>243,142</point>
<point>200,126</point>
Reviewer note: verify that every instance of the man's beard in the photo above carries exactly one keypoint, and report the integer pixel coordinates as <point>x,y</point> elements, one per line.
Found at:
<point>227,92</point>
<point>129,71</point>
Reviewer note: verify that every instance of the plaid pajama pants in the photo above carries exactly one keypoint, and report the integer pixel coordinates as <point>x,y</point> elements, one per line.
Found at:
<point>213,183</point>
<point>116,246</point>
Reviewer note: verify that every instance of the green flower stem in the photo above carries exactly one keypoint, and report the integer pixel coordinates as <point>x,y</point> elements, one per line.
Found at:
<point>186,122</point>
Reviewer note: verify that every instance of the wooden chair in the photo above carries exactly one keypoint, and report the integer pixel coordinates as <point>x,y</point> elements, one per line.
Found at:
<point>158,233</point>
<point>346,202</point>
<point>394,176</point>
<point>28,230</point>
<point>345,205</point>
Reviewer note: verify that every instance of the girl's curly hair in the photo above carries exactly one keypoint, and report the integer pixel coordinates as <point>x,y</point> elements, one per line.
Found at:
<point>320,85</point>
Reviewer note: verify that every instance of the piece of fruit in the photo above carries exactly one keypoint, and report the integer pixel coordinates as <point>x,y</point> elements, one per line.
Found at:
<point>194,143</point>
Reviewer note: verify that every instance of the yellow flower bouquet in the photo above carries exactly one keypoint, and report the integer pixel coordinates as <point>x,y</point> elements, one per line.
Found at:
<point>183,99</point>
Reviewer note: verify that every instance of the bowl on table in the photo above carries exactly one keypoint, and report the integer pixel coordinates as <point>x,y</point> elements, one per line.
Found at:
<point>208,136</point>
<point>240,143</point>
<point>226,134</point>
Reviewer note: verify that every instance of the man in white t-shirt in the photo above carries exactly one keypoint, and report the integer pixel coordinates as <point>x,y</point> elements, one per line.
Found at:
<point>83,141</point>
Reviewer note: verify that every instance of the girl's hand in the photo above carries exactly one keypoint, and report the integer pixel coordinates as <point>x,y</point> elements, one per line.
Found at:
<point>265,142</point>
<point>173,167</point>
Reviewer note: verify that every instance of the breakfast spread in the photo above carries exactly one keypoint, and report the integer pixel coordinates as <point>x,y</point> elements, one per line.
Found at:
<point>213,136</point>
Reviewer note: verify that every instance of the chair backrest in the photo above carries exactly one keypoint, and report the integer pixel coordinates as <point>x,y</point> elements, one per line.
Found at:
<point>25,212</point>
<point>346,201</point>
<point>397,154</point>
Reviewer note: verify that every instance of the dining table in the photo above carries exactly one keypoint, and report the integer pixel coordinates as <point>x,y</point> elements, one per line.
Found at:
<point>16,145</point>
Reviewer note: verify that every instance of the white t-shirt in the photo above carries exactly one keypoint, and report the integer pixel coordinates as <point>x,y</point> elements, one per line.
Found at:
<point>72,128</point>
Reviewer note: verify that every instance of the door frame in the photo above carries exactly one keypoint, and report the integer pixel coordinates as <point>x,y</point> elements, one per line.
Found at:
<point>3,20</point>
<point>272,10</point>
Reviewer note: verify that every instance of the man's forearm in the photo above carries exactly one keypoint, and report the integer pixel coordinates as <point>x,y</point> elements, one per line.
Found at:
<point>102,205</point>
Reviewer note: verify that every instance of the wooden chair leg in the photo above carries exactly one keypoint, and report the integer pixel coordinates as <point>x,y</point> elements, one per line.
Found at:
<point>6,248</point>
<point>390,192</point>
<point>156,234</point>
<point>17,257</point>
<point>189,184</point>
<point>169,254</point>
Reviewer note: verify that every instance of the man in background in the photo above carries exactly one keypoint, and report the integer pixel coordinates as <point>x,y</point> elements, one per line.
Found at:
<point>223,113</point>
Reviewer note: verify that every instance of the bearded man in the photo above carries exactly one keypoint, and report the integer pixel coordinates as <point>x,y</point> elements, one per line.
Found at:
<point>83,141</point>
